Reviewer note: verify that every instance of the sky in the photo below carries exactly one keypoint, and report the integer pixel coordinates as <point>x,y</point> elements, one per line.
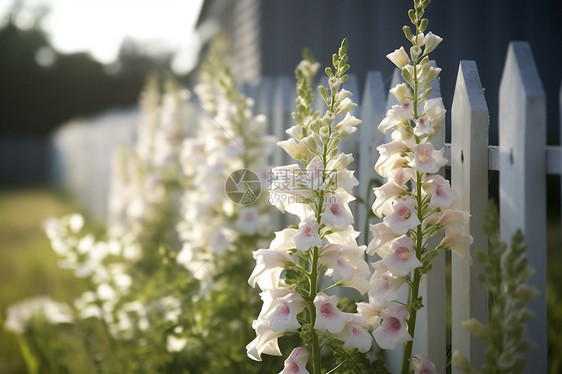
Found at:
<point>99,26</point>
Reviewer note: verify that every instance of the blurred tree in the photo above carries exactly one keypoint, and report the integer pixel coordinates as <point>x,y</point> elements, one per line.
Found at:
<point>41,88</point>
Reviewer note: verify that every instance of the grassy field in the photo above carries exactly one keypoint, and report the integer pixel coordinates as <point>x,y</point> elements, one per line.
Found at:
<point>28,266</point>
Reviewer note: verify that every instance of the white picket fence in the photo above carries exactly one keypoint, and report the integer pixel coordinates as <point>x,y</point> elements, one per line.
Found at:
<point>522,159</point>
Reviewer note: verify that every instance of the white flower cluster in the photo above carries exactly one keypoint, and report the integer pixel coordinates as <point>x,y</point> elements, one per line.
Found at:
<point>230,140</point>
<point>415,202</point>
<point>324,242</point>
<point>143,178</point>
<point>144,188</point>
<point>103,263</point>
<point>20,315</point>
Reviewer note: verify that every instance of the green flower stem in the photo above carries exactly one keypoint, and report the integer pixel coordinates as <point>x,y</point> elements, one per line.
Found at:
<point>416,281</point>
<point>368,212</point>
<point>411,324</point>
<point>316,358</point>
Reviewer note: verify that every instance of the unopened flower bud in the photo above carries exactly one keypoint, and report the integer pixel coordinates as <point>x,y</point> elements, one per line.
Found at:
<point>402,93</point>
<point>334,83</point>
<point>415,52</point>
<point>324,133</point>
<point>419,39</point>
<point>328,119</point>
<point>461,363</point>
<point>475,328</point>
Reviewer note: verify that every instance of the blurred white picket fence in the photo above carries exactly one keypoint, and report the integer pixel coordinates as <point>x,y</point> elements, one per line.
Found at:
<point>522,159</point>
<point>82,151</point>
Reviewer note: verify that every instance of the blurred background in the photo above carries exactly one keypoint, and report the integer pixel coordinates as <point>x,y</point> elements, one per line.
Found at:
<point>71,72</point>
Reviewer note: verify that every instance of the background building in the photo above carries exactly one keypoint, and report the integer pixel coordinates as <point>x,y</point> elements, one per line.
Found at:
<point>266,38</point>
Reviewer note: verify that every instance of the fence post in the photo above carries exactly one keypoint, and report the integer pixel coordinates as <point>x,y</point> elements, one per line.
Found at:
<point>469,174</point>
<point>522,124</point>
<point>372,111</point>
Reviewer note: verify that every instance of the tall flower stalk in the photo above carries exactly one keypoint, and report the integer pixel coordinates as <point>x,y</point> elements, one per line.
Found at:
<point>416,203</point>
<point>224,216</point>
<point>291,272</point>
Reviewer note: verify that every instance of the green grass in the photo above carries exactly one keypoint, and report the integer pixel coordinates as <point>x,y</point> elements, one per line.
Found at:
<point>28,266</point>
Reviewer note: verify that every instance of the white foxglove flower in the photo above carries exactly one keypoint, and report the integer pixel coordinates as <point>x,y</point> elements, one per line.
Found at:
<point>337,212</point>
<point>402,258</point>
<point>384,285</point>
<point>382,237</point>
<point>284,316</point>
<point>345,237</point>
<point>392,157</point>
<point>430,41</point>
<point>394,328</point>
<point>442,195</point>
<point>265,341</point>
<point>346,265</point>
<point>455,220</point>
<point>348,125</point>
<point>404,216</point>
<point>434,109</point>
<point>422,365</point>
<point>342,180</point>
<point>249,221</point>
<point>220,238</point>
<point>385,196</point>
<point>369,315</point>
<point>282,240</point>
<point>424,126</point>
<point>307,236</point>
<point>399,57</point>
<point>19,316</point>
<point>175,344</point>
<point>426,159</point>
<point>270,298</point>
<point>234,147</point>
<point>75,223</point>
<point>458,242</point>
<point>397,116</point>
<point>296,362</point>
<point>340,162</point>
<point>402,92</point>
<point>346,105</point>
<point>291,147</point>
<point>269,265</point>
<point>328,316</point>
<point>314,178</point>
<point>354,335</point>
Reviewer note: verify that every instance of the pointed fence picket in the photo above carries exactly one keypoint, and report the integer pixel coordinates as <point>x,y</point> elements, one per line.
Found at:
<point>522,125</point>
<point>469,174</point>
